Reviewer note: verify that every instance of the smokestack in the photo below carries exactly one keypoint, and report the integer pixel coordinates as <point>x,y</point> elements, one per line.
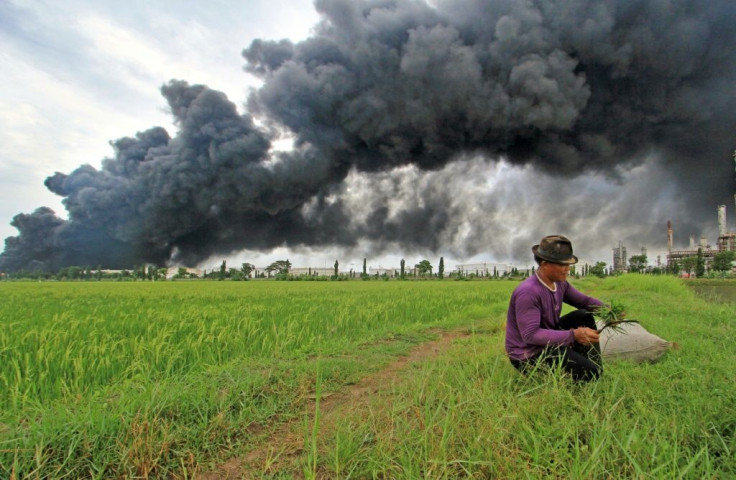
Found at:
<point>721,220</point>
<point>692,242</point>
<point>669,236</point>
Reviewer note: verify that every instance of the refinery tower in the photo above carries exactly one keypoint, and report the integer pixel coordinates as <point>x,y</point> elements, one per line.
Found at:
<point>726,242</point>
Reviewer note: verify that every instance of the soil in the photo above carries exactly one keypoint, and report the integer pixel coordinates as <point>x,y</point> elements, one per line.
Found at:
<point>288,438</point>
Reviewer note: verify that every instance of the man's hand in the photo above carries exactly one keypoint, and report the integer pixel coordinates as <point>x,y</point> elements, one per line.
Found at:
<point>585,335</point>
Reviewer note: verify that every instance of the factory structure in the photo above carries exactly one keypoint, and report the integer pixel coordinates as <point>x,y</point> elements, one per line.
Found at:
<point>484,269</point>
<point>726,242</point>
<point>621,258</point>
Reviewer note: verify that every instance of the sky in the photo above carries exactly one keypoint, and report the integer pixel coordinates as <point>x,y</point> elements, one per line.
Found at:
<point>603,169</point>
<point>79,74</point>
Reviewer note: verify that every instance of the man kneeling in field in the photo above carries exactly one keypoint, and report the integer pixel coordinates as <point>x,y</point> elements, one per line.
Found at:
<point>534,330</point>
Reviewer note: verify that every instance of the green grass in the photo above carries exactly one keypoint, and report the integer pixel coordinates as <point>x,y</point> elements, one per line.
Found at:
<point>134,379</point>
<point>468,414</point>
<point>69,339</point>
<point>120,380</point>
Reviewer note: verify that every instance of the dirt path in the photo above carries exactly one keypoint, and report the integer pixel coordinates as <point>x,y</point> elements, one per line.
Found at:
<point>287,442</point>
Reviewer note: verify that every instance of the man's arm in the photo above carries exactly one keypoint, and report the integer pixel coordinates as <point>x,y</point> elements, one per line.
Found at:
<point>574,297</point>
<point>529,318</point>
<point>578,299</point>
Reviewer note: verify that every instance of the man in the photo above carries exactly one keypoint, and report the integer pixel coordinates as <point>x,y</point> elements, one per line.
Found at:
<point>534,330</point>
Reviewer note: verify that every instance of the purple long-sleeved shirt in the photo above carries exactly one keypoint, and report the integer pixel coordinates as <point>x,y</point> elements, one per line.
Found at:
<point>534,315</point>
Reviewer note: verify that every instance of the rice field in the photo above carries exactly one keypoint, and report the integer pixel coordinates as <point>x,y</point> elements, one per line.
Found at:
<point>170,379</point>
<point>61,340</point>
<point>72,346</point>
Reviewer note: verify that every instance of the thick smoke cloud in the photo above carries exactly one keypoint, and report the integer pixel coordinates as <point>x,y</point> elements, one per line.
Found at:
<point>400,113</point>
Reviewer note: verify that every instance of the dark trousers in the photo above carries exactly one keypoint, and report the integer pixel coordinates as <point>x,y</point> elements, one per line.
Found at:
<point>582,362</point>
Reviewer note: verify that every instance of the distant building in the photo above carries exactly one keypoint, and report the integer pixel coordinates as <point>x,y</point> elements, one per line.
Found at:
<point>313,271</point>
<point>390,272</point>
<point>171,272</point>
<point>726,242</point>
<point>484,269</point>
<point>619,258</point>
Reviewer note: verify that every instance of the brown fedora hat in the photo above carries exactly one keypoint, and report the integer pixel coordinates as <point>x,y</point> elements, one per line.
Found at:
<point>555,249</point>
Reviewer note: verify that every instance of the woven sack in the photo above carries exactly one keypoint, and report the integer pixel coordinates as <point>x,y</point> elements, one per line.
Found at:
<point>634,344</point>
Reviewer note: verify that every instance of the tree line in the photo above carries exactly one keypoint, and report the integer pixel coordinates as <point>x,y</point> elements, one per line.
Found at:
<point>721,265</point>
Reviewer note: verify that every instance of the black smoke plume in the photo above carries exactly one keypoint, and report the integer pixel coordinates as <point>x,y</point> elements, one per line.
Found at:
<point>394,106</point>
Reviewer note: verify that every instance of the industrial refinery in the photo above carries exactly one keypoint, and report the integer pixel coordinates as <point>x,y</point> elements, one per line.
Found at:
<point>726,242</point>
